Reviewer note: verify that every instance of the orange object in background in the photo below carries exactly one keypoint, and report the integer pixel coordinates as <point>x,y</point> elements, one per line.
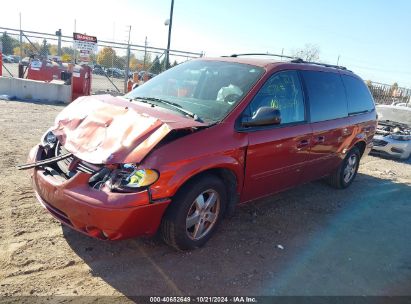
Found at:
<point>129,85</point>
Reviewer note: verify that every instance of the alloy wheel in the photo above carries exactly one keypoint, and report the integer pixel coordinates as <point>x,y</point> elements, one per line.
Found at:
<point>203,214</point>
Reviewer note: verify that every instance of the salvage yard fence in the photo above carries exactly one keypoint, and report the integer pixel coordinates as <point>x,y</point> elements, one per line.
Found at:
<point>112,65</point>
<point>389,94</point>
<point>115,62</point>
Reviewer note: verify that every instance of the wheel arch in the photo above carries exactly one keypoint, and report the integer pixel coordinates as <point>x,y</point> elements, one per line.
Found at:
<point>227,176</point>
<point>361,145</point>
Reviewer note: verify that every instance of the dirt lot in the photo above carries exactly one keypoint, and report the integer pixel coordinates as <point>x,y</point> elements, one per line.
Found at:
<point>350,242</point>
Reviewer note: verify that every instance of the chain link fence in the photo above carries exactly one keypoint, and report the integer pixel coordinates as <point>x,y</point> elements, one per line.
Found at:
<point>389,94</point>
<point>115,62</point>
<point>112,65</point>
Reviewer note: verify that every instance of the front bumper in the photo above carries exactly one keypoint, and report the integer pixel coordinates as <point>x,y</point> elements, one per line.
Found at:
<point>100,214</point>
<point>391,147</point>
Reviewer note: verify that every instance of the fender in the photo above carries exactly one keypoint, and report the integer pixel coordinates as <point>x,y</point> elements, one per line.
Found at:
<point>173,176</point>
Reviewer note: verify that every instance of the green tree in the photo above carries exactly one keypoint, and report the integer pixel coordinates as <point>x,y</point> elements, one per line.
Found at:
<point>8,43</point>
<point>106,57</point>
<point>67,50</point>
<point>156,66</point>
<point>44,49</point>
<point>175,63</point>
<point>163,67</point>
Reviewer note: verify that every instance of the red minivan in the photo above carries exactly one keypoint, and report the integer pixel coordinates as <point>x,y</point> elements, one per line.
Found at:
<point>181,151</point>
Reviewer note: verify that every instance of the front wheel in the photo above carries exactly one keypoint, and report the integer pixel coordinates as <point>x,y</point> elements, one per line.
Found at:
<point>194,213</point>
<point>347,171</point>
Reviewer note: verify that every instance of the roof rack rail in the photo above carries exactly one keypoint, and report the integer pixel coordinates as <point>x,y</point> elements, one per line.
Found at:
<point>299,60</point>
<point>263,54</point>
<point>293,60</point>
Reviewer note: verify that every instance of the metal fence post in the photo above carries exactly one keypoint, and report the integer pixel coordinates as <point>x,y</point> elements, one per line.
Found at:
<point>58,33</point>
<point>127,70</point>
<point>127,67</point>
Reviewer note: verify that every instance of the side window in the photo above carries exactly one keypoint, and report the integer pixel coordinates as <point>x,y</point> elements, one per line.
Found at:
<point>282,91</point>
<point>358,96</point>
<point>326,95</point>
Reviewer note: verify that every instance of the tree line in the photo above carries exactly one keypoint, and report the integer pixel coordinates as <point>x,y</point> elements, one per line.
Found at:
<point>106,57</point>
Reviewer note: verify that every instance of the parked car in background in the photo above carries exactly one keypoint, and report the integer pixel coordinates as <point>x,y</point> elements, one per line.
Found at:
<point>98,70</point>
<point>115,72</point>
<point>7,59</point>
<point>182,150</point>
<point>393,135</point>
<point>16,59</point>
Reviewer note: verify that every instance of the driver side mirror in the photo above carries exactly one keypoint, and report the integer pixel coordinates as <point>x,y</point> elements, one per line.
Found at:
<point>265,116</point>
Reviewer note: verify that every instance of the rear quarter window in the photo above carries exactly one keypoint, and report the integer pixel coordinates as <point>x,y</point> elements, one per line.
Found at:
<point>326,95</point>
<point>359,98</point>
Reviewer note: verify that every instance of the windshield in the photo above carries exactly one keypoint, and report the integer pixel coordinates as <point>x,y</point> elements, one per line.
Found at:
<point>208,89</point>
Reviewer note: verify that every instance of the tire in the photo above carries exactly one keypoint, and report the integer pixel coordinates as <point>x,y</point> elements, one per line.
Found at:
<point>192,218</point>
<point>347,171</point>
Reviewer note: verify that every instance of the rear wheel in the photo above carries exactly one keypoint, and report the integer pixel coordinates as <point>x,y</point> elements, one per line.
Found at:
<point>194,213</point>
<point>347,171</point>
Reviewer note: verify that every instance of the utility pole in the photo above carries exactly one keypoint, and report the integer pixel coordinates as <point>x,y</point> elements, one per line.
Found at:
<point>21,40</point>
<point>74,47</point>
<point>169,35</point>
<point>338,59</point>
<point>145,54</point>
<point>58,34</point>
<point>127,61</point>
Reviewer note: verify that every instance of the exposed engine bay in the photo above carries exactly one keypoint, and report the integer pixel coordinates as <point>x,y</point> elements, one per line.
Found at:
<point>387,127</point>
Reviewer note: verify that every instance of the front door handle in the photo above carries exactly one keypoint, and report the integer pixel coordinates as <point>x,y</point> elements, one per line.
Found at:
<point>320,140</point>
<point>302,144</point>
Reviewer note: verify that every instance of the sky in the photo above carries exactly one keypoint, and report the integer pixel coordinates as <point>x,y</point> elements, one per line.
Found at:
<point>371,37</point>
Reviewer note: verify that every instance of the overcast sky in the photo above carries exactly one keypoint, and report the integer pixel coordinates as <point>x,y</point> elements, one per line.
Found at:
<point>372,37</point>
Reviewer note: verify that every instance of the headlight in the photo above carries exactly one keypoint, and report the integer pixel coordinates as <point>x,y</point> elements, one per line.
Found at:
<point>400,137</point>
<point>130,179</point>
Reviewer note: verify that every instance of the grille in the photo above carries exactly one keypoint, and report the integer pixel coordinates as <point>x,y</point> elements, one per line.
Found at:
<point>71,165</point>
<point>379,142</point>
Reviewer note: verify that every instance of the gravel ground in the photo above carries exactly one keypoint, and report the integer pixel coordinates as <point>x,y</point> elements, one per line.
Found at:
<point>312,240</point>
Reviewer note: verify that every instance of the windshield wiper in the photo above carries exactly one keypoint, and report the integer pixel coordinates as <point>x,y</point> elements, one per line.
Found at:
<point>173,105</point>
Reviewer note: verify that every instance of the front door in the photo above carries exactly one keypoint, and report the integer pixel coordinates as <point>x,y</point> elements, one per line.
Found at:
<point>276,154</point>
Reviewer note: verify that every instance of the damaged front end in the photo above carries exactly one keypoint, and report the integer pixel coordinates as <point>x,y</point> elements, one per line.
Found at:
<point>392,139</point>
<point>87,170</point>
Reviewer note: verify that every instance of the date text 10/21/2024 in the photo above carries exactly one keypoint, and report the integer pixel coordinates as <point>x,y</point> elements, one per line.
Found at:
<point>235,299</point>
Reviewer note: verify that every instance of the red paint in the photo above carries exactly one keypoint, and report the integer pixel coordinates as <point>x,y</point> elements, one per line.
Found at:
<point>48,71</point>
<point>264,162</point>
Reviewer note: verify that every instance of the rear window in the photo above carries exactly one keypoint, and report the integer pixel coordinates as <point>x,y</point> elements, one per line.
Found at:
<point>326,95</point>
<point>358,96</point>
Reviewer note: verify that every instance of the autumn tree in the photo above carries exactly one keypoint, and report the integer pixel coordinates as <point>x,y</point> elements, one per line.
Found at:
<point>66,57</point>
<point>106,57</point>
<point>310,52</point>
<point>135,64</point>
<point>53,49</point>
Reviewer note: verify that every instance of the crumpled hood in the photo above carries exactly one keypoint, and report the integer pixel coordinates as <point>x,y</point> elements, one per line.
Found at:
<point>103,129</point>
